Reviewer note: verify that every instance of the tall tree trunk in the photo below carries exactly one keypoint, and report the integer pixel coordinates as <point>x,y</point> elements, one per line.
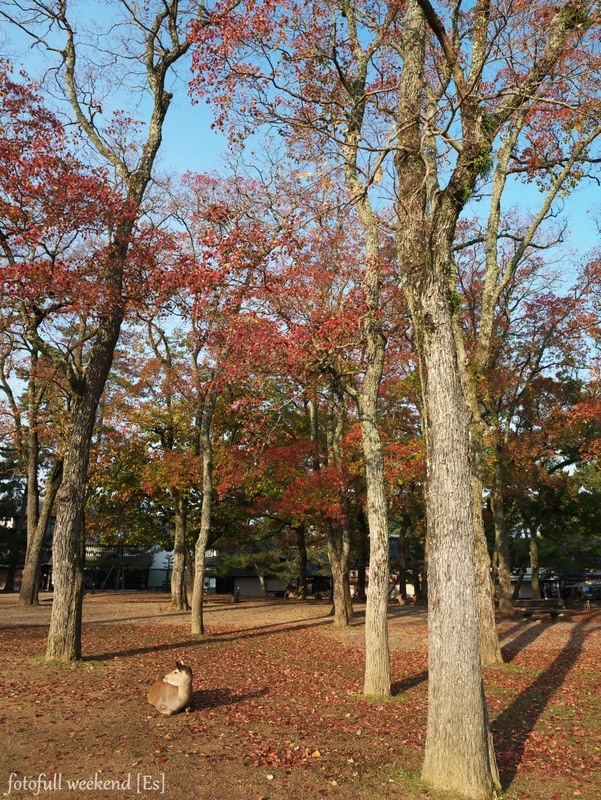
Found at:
<point>178,594</point>
<point>64,637</point>
<point>377,654</point>
<point>457,715</point>
<point>200,547</point>
<point>534,564</point>
<point>31,572</point>
<point>459,754</point>
<point>501,546</point>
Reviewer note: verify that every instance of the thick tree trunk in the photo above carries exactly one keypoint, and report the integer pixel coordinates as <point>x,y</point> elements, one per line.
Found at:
<point>338,541</point>
<point>200,547</point>
<point>31,572</point>
<point>501,546</point>
<point>64,636</point>
<point>459,754</point>
<point>534,564</point>
<point>178,594</point>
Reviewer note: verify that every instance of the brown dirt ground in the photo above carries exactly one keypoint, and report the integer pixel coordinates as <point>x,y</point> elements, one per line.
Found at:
<point>278,712</point>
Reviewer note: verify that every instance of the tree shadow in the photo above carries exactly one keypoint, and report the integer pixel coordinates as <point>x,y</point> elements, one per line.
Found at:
<point>526,637</point>
<point>399,687</point>
<point>158,617</point>
<point>140,651</point>
<point>214,698</point>
<point>517,626</point>
<point>514,725</point>
<point>265,630</point>
<point>193,641</point>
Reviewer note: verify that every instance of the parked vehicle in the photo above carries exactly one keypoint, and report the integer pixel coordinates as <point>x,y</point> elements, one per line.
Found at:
<point>592,592</point>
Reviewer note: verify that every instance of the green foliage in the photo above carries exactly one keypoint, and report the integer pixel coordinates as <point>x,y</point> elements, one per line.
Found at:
<point>456,301</point>
<point>487,123</point>
<point>483,161</point>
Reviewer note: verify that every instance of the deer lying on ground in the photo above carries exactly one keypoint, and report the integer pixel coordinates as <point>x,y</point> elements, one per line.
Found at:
<point>173,693</point>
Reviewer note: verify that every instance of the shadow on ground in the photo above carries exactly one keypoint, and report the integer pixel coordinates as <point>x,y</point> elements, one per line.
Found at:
<point>512,728</point>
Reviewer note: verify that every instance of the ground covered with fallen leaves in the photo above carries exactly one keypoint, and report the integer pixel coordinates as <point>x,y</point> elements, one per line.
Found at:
<point>277,709</point>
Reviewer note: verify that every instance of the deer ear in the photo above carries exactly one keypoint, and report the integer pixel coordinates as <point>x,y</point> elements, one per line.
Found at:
<point>179,665</point>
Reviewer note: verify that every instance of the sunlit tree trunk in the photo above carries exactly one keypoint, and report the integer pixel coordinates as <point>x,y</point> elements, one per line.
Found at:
<point>459,755</point>
<point>457,716</point>
<point>377,661</point>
